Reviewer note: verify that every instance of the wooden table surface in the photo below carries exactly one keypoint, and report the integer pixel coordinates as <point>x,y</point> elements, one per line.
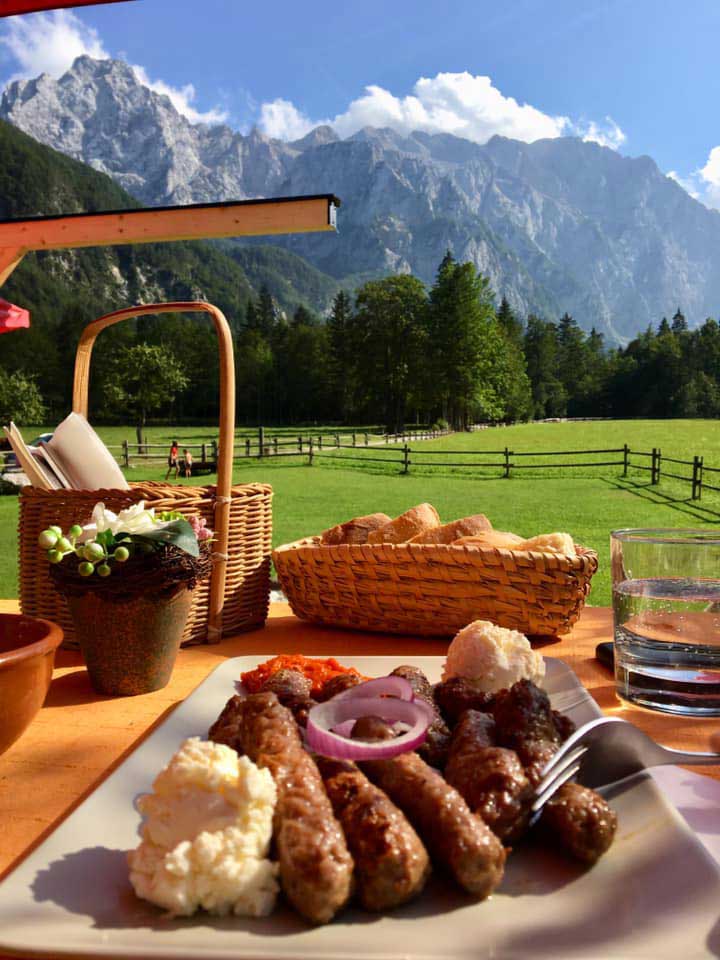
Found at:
<point>79,737</point>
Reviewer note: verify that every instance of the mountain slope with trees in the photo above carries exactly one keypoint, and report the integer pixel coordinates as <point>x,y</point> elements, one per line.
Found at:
<point>557,226</point>
<point>64,290</point>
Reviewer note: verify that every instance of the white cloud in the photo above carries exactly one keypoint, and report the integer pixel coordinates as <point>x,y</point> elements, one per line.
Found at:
<point>51,42</point>
<point>710,176</point>
<point>181,98</point>
<point>282,119</point>
<point>703,184</point>
<point>689,184</point>
<point>458,103</point>
<point>607,134</point>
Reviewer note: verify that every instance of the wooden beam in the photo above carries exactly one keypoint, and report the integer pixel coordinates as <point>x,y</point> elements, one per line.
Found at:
<point>199,221</point>
<point>9,259</point>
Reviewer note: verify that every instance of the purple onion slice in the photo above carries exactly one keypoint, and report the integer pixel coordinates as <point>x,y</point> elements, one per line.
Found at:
<point>324,720</point>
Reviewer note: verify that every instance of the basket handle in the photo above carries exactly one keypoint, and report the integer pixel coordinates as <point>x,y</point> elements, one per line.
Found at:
<point>227,426</point>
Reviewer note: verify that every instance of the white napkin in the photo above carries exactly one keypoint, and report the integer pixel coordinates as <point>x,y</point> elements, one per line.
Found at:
<point>698,800</point>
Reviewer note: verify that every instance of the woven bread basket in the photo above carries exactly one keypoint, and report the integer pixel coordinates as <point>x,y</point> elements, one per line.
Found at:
<point>236,595</point>
<point>433,590</point>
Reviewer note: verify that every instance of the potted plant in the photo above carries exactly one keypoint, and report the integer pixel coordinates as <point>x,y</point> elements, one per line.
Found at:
<point>127,579</point>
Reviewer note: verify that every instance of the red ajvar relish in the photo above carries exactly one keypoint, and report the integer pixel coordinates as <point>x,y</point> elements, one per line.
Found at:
<point>316,670</point>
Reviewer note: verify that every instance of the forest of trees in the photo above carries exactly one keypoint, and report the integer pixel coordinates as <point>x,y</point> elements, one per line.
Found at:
<point>394,354</point>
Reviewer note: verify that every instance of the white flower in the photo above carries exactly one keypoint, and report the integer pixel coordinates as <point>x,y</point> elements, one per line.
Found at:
<point>134,519</point>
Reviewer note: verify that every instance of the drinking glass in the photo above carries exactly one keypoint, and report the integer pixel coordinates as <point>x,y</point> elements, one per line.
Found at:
<point>666,614</point>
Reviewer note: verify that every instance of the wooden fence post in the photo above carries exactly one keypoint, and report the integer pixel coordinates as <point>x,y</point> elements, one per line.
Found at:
<point>507,463</point>
<point>310,452</point>
<point>320,441</point>
<point>261,440</point>
<point>626,456</point>
<point>653,466</point>
<point>406,461</point>
<point>247,446</point>
<point>657,470</point>
<point>354,439</point>
<point>300,444</point>
<point>275,446</point>
<point>126,454</point>
<point>337,439</point>
<point>203,455</point>
<point>367,439</point>
<point>697,477</point>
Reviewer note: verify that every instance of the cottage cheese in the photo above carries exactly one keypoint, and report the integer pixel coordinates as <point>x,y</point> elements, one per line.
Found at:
<point>492,657</point>
<point>206,834</point>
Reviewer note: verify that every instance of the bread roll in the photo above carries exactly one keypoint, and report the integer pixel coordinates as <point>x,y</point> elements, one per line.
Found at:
<point>550,543</point>
<point>407,525</point>
<point>448,532</point>
<point>355,530</point>
<point>500,539</point>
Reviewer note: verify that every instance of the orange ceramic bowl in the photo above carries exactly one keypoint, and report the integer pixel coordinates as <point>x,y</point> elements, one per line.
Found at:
<point>27,654</point>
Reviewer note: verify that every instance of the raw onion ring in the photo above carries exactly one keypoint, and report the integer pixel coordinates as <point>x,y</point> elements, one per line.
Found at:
<point>389,686</point>
<point>325,718</point>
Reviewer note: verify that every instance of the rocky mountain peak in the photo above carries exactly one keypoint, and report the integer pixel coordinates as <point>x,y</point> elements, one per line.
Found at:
<point>316,138</point>
<point>557,225</point>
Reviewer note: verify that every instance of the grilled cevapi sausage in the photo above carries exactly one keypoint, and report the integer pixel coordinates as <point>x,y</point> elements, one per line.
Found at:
<point>456,695</point>
<point>316,868</point>
<point>491,779</point>
<point>391,863</point>
<point>576,816</point>
<point>524,722</point>
<point>455,837</point>
<point>292,689</point>
<point>581,820</point>
<point>338,684</point>
<point>434,749</point>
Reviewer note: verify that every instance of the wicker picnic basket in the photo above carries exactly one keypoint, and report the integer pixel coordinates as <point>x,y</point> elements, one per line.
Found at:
<point>433,590</point>
<point>236,595</point>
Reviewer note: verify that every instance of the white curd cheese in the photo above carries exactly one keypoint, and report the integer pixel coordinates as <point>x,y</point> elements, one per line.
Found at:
<point>206,834</point>
<point>492,657</point>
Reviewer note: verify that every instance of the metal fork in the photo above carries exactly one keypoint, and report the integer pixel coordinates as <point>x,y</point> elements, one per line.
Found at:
<point>604,751</point>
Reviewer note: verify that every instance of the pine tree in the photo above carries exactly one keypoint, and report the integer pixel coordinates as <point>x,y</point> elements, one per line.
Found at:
<point>466,344</point>
<point>344,362</point>
<point>541,350</point>
<point>509,323</point>
<point>391,327</point>
<point>679,323</point>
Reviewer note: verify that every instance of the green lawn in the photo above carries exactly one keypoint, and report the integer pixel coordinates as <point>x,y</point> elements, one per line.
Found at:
<point>589,505</point>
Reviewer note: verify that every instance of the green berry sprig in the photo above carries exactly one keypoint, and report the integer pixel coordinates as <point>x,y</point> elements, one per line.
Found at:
<point>94,556</point>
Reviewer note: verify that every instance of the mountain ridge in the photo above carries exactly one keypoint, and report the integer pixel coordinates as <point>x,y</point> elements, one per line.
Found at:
<point>557,225</point>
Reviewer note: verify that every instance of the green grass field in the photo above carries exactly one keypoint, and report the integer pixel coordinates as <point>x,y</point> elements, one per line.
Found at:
<point>587,503</point>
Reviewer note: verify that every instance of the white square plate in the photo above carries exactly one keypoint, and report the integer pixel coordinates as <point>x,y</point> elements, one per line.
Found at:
<point>656,893</point>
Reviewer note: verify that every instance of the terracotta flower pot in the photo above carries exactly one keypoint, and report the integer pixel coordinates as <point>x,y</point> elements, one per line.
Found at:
<point>129,648</point>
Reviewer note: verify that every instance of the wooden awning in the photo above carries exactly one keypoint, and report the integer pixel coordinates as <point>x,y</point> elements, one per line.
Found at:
<point>9,8</point>
<point>198,221</point>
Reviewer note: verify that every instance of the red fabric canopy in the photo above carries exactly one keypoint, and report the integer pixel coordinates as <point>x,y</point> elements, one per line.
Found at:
<point>12,317</point>
<point>9,8</point>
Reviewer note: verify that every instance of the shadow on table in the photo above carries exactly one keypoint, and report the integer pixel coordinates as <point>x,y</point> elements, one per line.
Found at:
<point>71,689</point>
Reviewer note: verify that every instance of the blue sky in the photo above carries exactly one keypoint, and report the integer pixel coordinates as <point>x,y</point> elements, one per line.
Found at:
<point>641,76</point>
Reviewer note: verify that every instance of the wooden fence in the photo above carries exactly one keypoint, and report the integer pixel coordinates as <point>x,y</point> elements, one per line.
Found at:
<point>260,445</point>
<point>362,447</point>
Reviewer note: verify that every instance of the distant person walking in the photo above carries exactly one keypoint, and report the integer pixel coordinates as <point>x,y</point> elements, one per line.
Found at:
<point>188,463</point>
<point>173,460</point>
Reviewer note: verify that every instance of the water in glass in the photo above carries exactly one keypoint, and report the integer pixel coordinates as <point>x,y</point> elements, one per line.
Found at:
<point>667,643</point>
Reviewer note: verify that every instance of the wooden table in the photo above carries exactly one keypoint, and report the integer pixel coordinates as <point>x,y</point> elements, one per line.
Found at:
<point>78,737</point>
